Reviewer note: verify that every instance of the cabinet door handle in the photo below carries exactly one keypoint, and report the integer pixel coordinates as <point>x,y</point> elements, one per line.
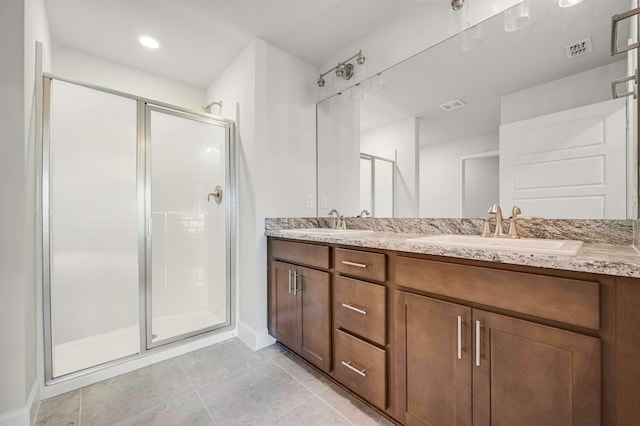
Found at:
<point>359,265</point>
<point>478,330</point>
<point>355,370</point>
<point>295,283</point>
<point>459,337</point>
<point>353,308</point>
<point>289,281</point>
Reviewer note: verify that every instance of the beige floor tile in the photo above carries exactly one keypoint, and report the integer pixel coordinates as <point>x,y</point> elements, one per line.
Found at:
<point>313,412</point>
<point>206,366</point>
<point>351,408</point>
<point>184,412</point>
<point>253,397</point>
<point>313,380</point>
<point>125,396</point>
<point>62,410</point>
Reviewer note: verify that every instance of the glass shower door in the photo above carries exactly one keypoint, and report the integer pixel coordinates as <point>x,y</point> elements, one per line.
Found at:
<point>187,243</point>
<point>90,229</point>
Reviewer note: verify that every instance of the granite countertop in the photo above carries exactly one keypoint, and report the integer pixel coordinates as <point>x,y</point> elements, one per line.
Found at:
<point>606,259</point>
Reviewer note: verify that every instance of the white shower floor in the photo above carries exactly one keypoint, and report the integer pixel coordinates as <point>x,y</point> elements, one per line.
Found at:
<point>91,351</point>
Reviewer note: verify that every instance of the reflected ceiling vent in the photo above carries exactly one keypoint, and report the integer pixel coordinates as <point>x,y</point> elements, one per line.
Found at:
<point>451,105</point>
<point>579,48</point>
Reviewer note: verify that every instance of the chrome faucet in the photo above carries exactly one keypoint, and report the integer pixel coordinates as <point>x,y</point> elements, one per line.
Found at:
<point>513,228</point>
<point>495,209</point>
<point>337,221</point>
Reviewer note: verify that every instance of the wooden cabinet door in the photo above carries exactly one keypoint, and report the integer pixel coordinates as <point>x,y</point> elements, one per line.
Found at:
<point>283,305</point>
<point>312,290</point>
<point>433,343</point>
<point>531,374</point>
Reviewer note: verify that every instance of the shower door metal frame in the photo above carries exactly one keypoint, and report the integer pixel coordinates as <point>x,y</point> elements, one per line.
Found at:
<point>141,147</point>
<point>148,109</point>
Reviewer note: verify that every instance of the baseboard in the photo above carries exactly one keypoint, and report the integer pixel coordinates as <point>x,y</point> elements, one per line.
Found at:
<point>25,416</point>
<point>255,340</point>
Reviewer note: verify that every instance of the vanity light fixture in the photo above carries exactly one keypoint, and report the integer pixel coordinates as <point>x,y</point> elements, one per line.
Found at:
<point>345,69</point>
<point>568,3</point>
<point>207,108</point>
<point>149,42</point>
<point>457,4</point>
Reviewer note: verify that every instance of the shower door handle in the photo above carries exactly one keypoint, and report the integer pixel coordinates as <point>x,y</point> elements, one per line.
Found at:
<point>216,194</point>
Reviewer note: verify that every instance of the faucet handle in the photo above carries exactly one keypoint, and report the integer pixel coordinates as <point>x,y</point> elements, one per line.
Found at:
<point>513,228</point>
<point>486,231</point>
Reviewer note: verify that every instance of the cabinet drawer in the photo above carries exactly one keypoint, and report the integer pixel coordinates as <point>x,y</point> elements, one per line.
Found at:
<point>362,264</point>
<point>360,307</point>
<point>302,253</point>
<point>361,367</point>
<point>566,300</point>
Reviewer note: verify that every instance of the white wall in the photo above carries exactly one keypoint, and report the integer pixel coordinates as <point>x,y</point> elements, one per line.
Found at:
<point>440,173</point>
<point>339,157</point>
<point>562,94</point>
<point>403,138</point>
<point>21,24</point>
<point>83,67</point>
<point>267,92</point>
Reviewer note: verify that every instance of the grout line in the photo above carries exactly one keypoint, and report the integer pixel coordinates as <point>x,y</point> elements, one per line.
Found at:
<point>317,395</point>
<point>197,394</point>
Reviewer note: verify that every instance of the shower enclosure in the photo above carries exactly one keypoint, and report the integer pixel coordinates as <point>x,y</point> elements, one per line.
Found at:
<point>137,226</point>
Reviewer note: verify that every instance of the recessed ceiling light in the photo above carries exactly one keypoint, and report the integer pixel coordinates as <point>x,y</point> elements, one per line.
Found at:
<point>149,42</point>
<point>568,3</point>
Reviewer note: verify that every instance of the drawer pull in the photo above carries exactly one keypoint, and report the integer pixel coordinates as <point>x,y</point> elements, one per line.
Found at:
<point>355,370</point>
<point>478,327</point>
<point>459,337</point>
<point>295,283</point>
<point>359,265</point>
<point>353,308</point>
<point>289,281</point>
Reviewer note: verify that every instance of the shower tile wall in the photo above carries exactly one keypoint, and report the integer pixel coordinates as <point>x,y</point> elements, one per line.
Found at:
<point>94,252</point>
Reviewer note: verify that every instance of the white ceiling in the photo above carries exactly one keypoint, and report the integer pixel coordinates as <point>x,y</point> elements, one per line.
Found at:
<point>199,38</point>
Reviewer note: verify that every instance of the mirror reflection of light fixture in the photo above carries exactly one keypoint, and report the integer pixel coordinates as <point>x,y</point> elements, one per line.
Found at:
<point>472,38</point>
<point>457,4</point>
<point>568,3</point>
<point>344,71</point>
<point>207,108</point>
<point>517,17</point>
<point>458,18</point>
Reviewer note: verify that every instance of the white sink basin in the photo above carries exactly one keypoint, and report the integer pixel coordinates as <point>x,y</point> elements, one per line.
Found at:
<point>521,245</point>
<point>325,231</point>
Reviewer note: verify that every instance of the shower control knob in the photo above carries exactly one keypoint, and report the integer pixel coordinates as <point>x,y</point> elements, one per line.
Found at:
<point>216,194</point>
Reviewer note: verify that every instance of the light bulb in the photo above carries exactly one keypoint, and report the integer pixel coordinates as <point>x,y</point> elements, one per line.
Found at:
<point>568,3</point>
<point>149,42</point>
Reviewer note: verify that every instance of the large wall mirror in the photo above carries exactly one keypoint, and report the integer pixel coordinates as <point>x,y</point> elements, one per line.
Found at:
<point>522,117</point>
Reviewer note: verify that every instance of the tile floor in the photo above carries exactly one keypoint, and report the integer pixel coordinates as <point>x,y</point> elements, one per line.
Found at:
<point>224,384</point>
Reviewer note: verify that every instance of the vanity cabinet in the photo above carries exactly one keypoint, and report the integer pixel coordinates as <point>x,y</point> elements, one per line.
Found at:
<point>430,340</point>
<point>462,366</point>
<point>458,364</point>
<point>300,301</point>
<point>360,323</point>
